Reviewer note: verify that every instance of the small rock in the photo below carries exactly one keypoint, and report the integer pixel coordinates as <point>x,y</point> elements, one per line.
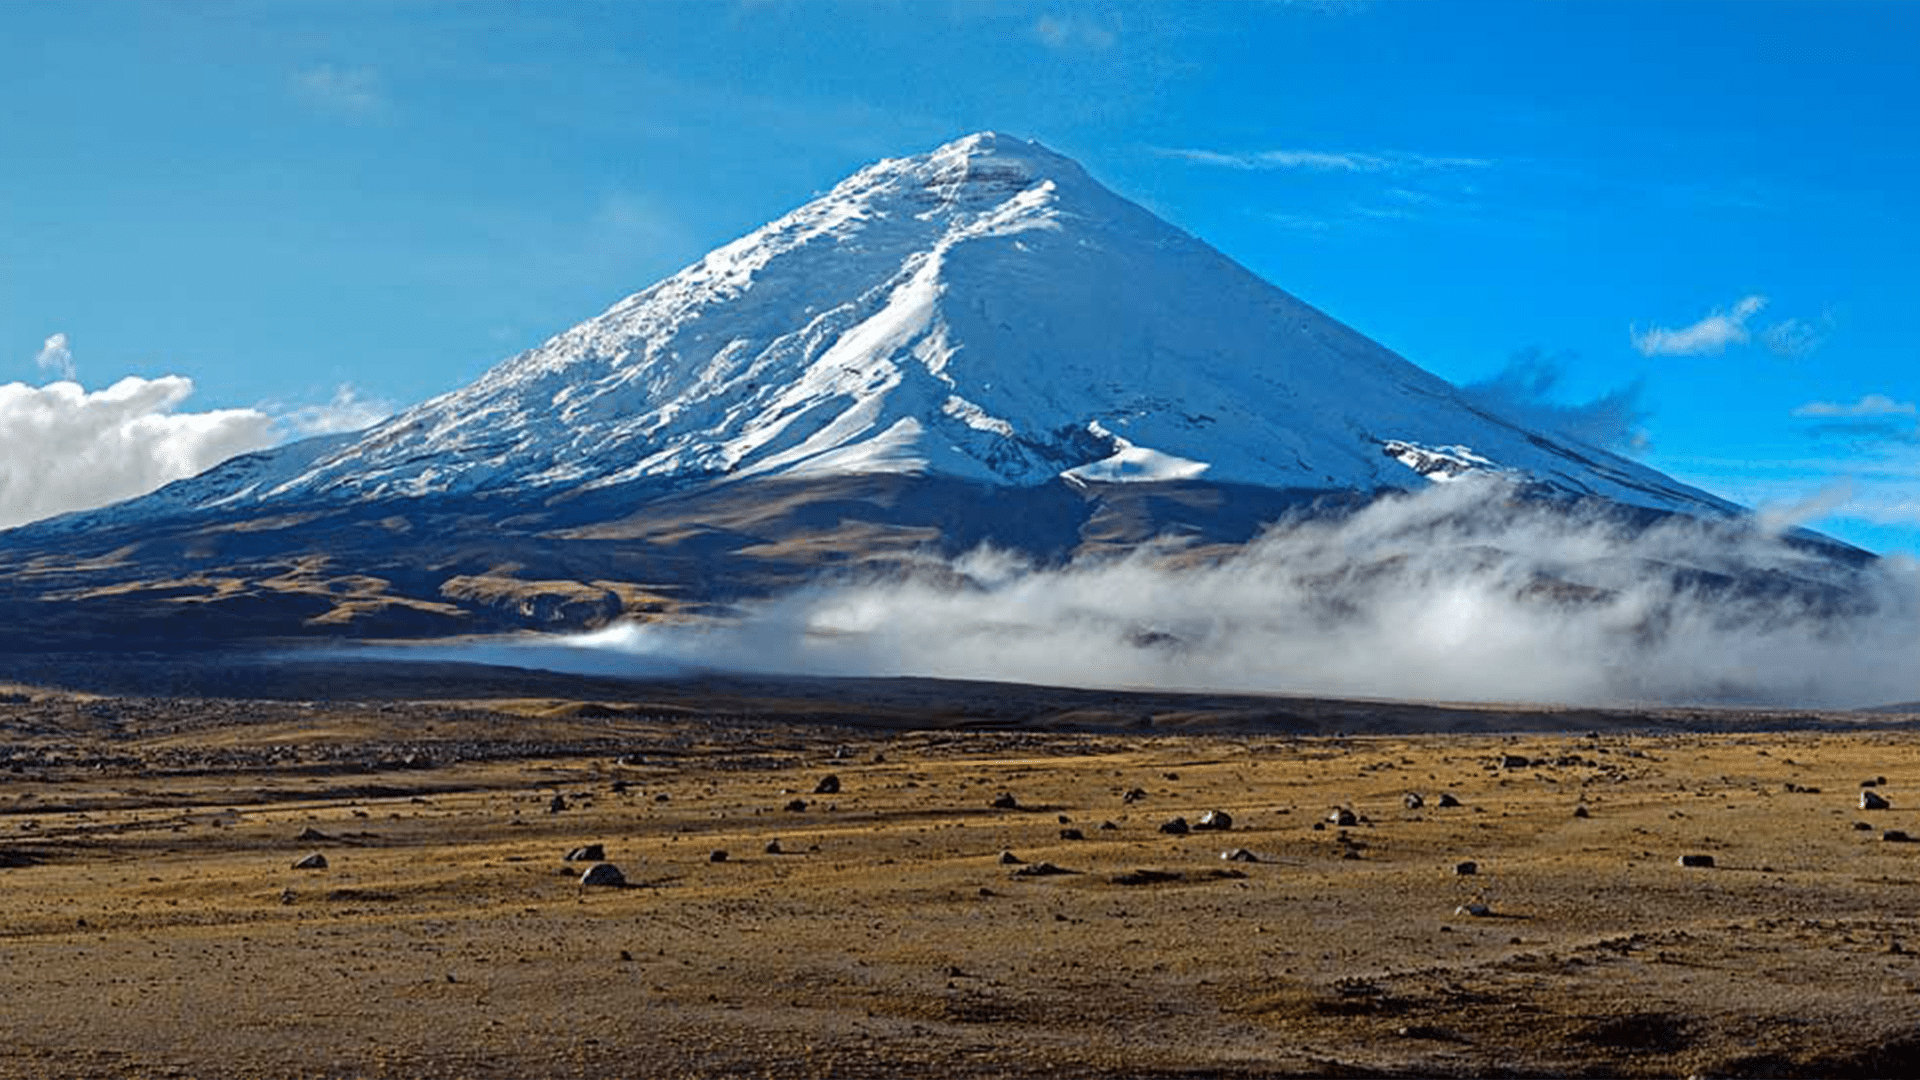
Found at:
<point>1872,801</point>
<point>1446,799</point>
<point>618,787</point>
<point>1515,761</point>
<point>1008,858</point>
<point>1581,811</point>
<point>315,861</point>
<point>1861,826</point>
<point>556,804</point>
<point>1215,821</point>
<point>1005,801</point>
<point>828,785</point>
<point>773,847</point>
<point>1040,869</point>
<point>796,806</point>
<point>1413,800</point>
<point>1108,826</point>
<point>1695,860</point>
<point>1177,827</point>
<point>1063,819</point>
<point>311,834</point>
<point>603,874</point>
<point>1134,795</point>
<point>1343,817</point>
<point>587,853</point>
<point>1072,834</point>
<point>1895,836</point>
<point>717,855</point>
<point>1478,911</point>
<point>1239,854</point>
<point>1467,868</point>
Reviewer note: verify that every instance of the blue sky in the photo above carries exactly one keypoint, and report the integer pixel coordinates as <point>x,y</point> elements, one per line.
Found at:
<point>1687,225</point>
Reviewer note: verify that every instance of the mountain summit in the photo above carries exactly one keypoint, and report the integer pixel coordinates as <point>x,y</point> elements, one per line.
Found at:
<point>980,344</point>
<point>986,312</point>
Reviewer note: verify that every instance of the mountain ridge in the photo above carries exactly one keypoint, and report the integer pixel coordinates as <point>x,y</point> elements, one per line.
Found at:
<point>986,311</point>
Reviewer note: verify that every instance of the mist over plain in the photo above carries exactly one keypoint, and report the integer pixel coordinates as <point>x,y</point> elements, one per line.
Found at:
<point>1460,593</point>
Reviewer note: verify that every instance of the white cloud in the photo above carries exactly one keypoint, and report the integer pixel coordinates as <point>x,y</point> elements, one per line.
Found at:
<point>56,357</point>
<point>1463,592</point>
<point>1793,338</point>
<point>1324,160</point>
<point>1869,405</point>
<point>1061,32</point>
<point>347,411</point>
<point>349,90</point>
<point>71,449</point>
<point>1707,337</point>
<point>1526,389</point>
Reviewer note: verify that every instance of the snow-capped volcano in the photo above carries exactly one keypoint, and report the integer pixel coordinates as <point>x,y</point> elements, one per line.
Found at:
<point>986,311</point>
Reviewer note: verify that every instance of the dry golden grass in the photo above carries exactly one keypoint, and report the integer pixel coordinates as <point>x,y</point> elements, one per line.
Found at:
<point>156,927</point>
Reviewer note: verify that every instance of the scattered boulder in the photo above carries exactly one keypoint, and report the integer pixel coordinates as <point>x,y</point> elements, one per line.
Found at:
<point>587,853</point>
<point>603,874</point>
<point>315,861</point>
<point>1177,827</point>
<point>1239,854</point>
<point>1072,834</point>
<point>1581,811</point>
<point>1134,795</point>
<point>717,855</point>
<point>796,806</point>
<point>1446,800</point>
<point>11,859</point>
<point>1478,911</point>
<point>1895,836</point>
<point>1873,801</point>
<point>311,834</point>
<point>1515,761</point>
<point>1108,826</point>
<point>1008,858</point>
<point>1467,868</point>
<point>1146,877</point>
<point>1005,801</point>
<point>1695,860</point>
<point>556,804</point>
<point>1861,826</point>
<point>828,785</point>
<point>773,847</point>
<point>1215,821</point>
<point>1343,817</point>
<point>630,759</point>
<point>1413,800</point>
<point>1041,869</point>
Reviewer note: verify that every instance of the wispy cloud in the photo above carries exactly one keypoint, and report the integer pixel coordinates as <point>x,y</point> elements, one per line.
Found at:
<point>1868,405</point>
<point>1065,32</point>
<point>347,411</point>
<point>1323,160</point>
<point>1793,338</point>
<point>1708,337</point>
<point>1528,389</point>
<point>56,358</point>
<point>355,91</point>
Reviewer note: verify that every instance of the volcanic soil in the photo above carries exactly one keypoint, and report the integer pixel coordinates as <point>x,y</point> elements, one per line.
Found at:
<point>152,922</point>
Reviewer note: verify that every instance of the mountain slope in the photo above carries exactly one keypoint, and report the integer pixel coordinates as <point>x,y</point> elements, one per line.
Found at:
<point>979,344</point>
<point>986,312</point>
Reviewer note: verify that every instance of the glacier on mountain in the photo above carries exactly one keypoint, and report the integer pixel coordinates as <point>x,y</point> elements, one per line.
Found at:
<point>985,311</point>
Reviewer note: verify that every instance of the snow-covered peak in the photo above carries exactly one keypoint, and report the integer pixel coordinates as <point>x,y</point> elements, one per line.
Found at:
<point>986,310</point>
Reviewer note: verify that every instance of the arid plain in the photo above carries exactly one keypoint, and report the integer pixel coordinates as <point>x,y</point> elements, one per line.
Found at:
<point>152,923</point>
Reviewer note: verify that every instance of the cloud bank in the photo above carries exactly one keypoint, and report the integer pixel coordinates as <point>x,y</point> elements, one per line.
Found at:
<point>1708,337</point>
<point>1462,592</point>
<point>70,449</point>
<point>1526,389</point>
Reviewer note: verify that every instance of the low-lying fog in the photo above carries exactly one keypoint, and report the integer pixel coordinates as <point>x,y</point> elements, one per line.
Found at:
<point>1458,593</point>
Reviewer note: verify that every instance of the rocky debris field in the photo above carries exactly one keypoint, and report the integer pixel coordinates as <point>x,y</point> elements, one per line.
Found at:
<point>224,888</point>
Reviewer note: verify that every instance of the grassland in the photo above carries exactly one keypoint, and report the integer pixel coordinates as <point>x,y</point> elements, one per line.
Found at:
<point>151,923</point>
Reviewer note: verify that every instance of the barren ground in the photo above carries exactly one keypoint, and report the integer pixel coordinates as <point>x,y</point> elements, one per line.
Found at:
<point>151,924</point>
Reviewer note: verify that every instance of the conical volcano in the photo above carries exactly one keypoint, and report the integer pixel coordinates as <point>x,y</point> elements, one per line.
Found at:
<point>976,343</point>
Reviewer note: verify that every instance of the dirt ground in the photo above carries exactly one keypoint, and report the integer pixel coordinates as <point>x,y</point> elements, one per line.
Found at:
<point>151,923</point>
